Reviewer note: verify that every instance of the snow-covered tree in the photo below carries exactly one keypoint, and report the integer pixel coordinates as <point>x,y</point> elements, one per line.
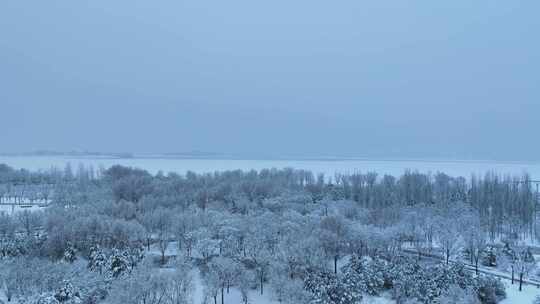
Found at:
<point>205,245</point>
<point>226,271</point>
<point>364,275</point>
<point>449,236</point>
<point>118,263</point>
<point>162,223</point>
<point>143,286</point>
<point>181,285</point>
<point>474,237</point>
<point>67,293</point>
<point>524,263</point>
<point>70,254</point>
<point>457,295</point>
<point>245,281</point>
<point>333,235</point>
<point>327,288</point>
<point>212,285</point>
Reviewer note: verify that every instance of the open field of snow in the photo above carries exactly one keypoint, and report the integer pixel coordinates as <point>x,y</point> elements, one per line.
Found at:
<point>9,206</point>
<point>329,167</point>
<point>231,297</point>
<point>11,209</point>
<point>514,296</point>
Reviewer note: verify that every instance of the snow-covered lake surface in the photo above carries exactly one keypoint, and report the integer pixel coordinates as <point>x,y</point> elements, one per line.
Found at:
<point>329,167</point>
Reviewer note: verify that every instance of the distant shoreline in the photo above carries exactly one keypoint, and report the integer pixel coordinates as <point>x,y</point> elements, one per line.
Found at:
<point>218,156</point>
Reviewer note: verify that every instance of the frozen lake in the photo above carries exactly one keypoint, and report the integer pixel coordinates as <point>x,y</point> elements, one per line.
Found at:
<point>329,167</point>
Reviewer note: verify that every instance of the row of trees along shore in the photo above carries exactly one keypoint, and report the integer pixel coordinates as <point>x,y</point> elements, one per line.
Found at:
<point>506,204</point>
<point>248,229</point>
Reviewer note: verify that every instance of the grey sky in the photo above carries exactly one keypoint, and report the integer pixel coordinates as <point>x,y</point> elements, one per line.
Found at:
<point>303,77</point>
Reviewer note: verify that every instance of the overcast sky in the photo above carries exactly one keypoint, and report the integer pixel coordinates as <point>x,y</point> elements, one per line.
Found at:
<point>377,78</point>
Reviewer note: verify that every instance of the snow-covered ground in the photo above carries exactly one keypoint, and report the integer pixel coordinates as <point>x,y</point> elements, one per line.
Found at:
<point>384,299</point>
<point>10,205</point>
<point>233,297</point>
<point>172,249</point>
<point>514,296</point>
<point>3,298</point>
<point>11,208</point>
<point>329,167</point>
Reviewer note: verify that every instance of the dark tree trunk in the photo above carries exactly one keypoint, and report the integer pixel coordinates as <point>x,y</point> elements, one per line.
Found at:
<point>335,264</point>
<point>222,297</point>
<point>512,275</point>
<point>520,280</point>
<point>262,281</point>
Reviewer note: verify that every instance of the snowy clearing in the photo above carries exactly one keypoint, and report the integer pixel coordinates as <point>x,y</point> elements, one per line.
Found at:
<point>514,296</point>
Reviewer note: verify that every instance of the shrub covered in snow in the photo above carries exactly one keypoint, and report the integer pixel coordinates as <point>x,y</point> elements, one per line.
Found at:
<point>97,260</point>
<point>67,293</point>
<point>428,284</point>
<point>458,295</point>
<point>364,275</point>
<point>327,288</point>
<point>490,290</point>
<point>118,263</point>
<point>70,254</point>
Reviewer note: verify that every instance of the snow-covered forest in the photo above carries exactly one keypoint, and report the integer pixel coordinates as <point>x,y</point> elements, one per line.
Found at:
<point>123,235</point>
